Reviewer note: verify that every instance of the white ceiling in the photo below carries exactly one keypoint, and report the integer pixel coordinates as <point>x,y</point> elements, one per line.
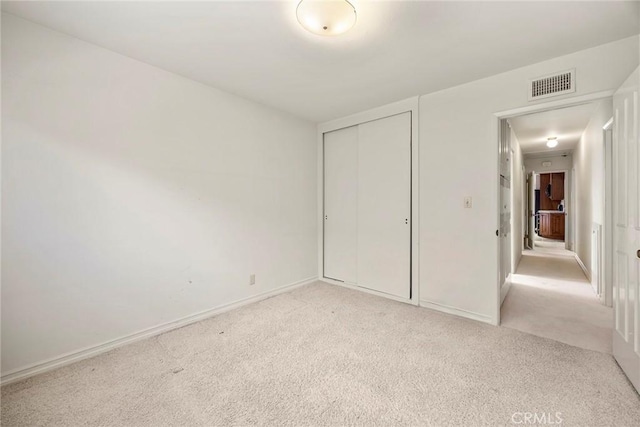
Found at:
<point>396,49</point>
<point>567,124</point>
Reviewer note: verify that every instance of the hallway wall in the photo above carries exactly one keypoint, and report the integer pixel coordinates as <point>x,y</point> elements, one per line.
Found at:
<point>588,161</point>
<point>534,164</point>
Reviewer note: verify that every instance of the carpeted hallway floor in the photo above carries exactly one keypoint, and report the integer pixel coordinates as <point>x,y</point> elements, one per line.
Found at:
<point>551,297</point>
<point>325,355</point>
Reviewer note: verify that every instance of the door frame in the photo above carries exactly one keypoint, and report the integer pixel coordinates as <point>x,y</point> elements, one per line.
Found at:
<point>536,108</point>
<point>505,271</point>
<point>606,275</point>
<point>404,106</point>
<point>529,215</point>
<point>568,207</point>
<point>525,205</point>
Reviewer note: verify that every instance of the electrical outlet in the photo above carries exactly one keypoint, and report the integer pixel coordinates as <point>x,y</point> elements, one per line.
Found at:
<point>252,279</point>
<point>467,202</point>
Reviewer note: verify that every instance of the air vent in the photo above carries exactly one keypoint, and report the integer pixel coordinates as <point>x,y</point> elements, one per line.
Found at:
<point>552,85</point>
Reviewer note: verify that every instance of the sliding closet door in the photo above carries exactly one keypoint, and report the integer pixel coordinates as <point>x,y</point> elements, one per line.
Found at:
<point>340,204</point>
<point>384,205</point>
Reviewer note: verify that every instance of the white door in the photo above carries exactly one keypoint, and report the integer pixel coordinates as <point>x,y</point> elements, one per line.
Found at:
<point>505,203</point>
<point>340,204</point>
<point>626,234</point>
<point>384,205</point>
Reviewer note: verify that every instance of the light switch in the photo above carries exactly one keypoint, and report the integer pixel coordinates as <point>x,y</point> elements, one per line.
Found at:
<point>467,202</point>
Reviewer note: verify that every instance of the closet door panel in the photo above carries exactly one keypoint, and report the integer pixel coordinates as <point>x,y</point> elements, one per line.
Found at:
<point>340,204</point>
<point>384,205</point>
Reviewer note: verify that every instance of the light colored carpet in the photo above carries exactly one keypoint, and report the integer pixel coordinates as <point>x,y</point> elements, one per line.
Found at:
<point>551,297</point>
<point>325,355</point>
<point>551,247</point>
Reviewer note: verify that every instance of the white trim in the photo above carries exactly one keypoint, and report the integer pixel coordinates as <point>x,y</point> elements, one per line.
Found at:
<point>406,105</point>
<point>546,106</point>
<point>392,109</point>
<point>85,353</point>
<point>597,264</point>
<point>582,266</point>
<point>504,291</point>
<point>457,312</point>
<point>571,231</point>
<point>569,176</point>
<point>496,136</point>
<point>320,203</point>
<point>366,290</point>
<point>415,200</point>
<point>607,229</point>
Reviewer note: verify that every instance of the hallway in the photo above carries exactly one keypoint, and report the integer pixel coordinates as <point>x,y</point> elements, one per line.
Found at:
<point>551,297</point>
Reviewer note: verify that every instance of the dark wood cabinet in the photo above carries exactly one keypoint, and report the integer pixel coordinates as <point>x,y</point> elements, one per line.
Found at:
<point>545,224</point>
<point>552,225</point>
<point>557,186</point>
<point>557,226</point>
<point>551,190</point>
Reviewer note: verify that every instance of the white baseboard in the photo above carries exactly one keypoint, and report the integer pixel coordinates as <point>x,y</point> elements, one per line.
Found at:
<point>504,290</point>
<point>584,269</point>
<point>457,311</point>
<point>75,356</point>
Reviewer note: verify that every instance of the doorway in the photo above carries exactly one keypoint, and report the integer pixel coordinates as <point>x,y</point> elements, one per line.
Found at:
<point>548,200</point>
<point>549,291</point>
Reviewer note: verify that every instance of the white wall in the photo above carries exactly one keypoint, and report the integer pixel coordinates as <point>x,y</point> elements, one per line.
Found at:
<point>517,203</point>
<point>133,197</point>
<point>558,163</point>
<point>458,157</point>
<point>588,161</point>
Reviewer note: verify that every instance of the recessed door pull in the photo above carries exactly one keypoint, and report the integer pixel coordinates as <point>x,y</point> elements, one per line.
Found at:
<point>638,253</point>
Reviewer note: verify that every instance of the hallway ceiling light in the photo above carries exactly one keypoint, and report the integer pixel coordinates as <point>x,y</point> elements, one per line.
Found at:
<point>552,142</point>
<point>326,17</point>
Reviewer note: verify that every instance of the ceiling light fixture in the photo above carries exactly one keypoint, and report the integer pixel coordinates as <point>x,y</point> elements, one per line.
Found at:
<point>552,142</point>
<point>326,17</point>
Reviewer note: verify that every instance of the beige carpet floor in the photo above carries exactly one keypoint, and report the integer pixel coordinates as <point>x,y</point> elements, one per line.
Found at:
<point>325,355</point>
<point>551,297</point>
<point>551,247</point>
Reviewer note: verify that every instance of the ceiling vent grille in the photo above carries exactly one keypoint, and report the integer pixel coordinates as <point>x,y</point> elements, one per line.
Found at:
<point>552,85</point>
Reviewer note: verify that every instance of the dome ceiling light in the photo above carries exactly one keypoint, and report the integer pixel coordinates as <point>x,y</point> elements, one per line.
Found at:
<point>552,142</point>
<point>326,17</point>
